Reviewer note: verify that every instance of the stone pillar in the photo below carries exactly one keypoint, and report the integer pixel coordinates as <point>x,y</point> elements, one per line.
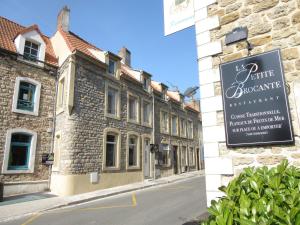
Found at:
<point>272,24</point>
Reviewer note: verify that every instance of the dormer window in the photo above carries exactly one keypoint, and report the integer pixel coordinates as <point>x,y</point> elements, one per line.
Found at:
<point>112,67</point>
<point>31,51</point>
<point>146,84</point>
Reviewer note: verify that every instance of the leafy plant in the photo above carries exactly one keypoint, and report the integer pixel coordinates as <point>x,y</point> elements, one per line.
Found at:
<point>259,196</point>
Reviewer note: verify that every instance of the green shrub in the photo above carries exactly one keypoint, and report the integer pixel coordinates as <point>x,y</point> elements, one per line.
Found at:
<point>259,196</point>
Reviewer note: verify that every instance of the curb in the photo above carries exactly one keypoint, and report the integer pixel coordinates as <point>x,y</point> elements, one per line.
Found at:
<point>65,204</point>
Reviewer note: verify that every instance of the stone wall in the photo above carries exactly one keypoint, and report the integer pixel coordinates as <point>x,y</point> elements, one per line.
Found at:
<point>10,69</point>
<point>82,131</point>
<point>178,140</point>
<point>272,24</point>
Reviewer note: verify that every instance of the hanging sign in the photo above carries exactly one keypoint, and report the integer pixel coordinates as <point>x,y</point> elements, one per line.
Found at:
<point>256,110</point>
<point>178,15</point>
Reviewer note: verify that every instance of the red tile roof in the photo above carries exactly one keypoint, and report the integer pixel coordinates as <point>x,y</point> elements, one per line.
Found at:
<point>193,106</point>
<point>9,30</point>
<point>75,42</point>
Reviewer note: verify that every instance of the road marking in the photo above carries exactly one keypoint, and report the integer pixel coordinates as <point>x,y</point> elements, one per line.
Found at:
<point>32,218</point>
<point>133,200</point>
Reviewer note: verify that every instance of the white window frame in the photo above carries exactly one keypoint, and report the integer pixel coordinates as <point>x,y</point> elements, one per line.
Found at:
<point>167,131</point>
<point>150,113</point>
<point>61,94</point>
<point>118,149</point>
<point>138,151</point>
<point>183,134</point>
<point>147,81</point>
<point>129,94</point>
<point>35,37</point>
<point>177,127</point>
<point>114,74</point>
<point>37,94</point>
<point>118,99</point>
<point>8,148</point>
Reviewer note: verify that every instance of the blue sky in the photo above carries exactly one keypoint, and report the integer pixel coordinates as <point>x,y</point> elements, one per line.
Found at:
<point>111,24</point>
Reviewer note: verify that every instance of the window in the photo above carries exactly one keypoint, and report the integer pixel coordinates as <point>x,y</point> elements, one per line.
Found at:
<point>133,108</point>
<point>192,156</point>
<point>183,156</point>
<point>61,94</point>
<point>165,154</point>
<point>111,150</point>
<point>146,84</point>
<point>26,96</point>
<point>112,67</point>
<point>183,127</point>
<point>164,122</point>
<point>146,113</point>
<point>19,155</point>
<point>112,102</point>
<point>31,51</point>
<point>174,123</point>
<point>190,129</point>
<point>133,151</point>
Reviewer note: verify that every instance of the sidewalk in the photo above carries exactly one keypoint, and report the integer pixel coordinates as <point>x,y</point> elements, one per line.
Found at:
<point>8,212</point>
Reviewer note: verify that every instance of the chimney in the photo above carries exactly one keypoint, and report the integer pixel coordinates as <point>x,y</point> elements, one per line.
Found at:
<point>125,54</point>
<point>63,19</point>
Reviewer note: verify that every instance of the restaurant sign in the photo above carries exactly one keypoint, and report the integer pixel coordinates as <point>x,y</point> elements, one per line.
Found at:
<point>256,110</point>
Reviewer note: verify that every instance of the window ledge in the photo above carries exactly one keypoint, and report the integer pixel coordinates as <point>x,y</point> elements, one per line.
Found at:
<point>111,116</point>
<point>25,112</point>
<point>37,64</point>
<point>131,168</point>
<point>133,121</point>
<point>109,169</point>
<point>147,125</point>
<point>17,171</point>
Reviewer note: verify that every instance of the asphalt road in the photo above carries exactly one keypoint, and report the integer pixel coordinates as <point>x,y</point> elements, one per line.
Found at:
<point>172,204</point>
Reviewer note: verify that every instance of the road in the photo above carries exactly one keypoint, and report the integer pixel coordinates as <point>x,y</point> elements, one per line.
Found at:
<point>172,204</point>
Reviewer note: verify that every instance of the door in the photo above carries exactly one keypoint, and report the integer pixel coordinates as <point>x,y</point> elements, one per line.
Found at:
<point>146,158</point>
<point>175,148</point>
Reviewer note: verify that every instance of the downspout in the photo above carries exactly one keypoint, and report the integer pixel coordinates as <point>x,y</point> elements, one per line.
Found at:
<point>53,126</point>
<point>153,133</point>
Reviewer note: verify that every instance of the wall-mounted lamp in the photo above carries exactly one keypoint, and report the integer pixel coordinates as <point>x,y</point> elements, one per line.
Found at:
<point>237,35</point>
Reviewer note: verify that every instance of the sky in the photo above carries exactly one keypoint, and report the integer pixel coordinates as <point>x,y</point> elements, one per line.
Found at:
<point>112,24</point>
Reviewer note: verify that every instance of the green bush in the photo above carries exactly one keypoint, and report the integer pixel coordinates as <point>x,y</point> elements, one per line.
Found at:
<point>259,196</point>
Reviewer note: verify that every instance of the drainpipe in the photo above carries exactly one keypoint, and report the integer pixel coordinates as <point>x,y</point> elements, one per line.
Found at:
<point>53,125</point>
<point>153,133</point>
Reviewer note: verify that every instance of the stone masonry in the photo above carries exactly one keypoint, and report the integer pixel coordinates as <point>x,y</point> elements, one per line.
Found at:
<point>10,69</point>
<point>272,24</point>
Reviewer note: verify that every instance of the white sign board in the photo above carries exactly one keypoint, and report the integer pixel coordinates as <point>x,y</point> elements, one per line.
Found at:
<point>178,15</point>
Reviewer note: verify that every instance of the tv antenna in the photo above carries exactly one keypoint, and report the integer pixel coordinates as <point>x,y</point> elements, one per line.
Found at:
<point>174,88</point>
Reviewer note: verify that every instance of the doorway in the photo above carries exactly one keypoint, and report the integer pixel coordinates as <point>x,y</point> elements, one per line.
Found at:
<point>147,158</point>
<point>175,158</point>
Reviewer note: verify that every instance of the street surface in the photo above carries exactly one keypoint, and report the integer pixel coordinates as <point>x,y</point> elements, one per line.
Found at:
<point>172,204</point>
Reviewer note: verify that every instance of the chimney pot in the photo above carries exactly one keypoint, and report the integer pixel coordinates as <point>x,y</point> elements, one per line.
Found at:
<point>125,54</point>
<point>63,19</point>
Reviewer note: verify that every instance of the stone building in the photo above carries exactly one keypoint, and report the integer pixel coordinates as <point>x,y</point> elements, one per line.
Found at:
<point>91,110</point>
<point>28,68</point>
<point>177,131</point>
<point>271,24</point>
<point>105,121</point>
